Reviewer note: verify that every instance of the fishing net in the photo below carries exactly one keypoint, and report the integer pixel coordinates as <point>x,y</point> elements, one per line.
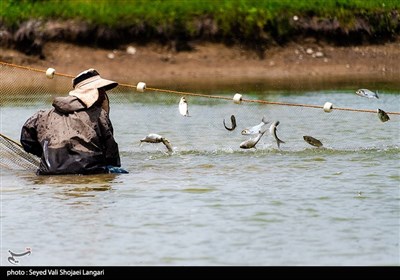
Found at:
<point>14,157</point>
<point>137,111</point>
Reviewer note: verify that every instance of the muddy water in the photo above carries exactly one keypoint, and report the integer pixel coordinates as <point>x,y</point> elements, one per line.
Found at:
<point>210,202</point>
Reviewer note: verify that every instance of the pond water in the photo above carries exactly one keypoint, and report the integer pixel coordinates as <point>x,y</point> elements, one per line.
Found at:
<point>211,202</point>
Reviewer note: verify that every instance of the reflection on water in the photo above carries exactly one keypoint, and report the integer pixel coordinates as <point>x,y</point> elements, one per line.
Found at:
<point>89,181</point>
<point>65,187</point>
<point>75,186</point>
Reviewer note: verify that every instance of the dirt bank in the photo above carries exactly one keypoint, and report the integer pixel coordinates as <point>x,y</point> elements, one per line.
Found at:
<point>208,63</point>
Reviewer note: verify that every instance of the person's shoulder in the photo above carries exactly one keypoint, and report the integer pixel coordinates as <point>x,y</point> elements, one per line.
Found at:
<point>68,104</point>
<point>38,115</point>
<point>65,99</point>
<point>41,112</point>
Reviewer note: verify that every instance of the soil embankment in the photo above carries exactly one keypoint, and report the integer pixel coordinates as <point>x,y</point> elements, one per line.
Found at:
<point>308,62</point>
<point>282,44</point>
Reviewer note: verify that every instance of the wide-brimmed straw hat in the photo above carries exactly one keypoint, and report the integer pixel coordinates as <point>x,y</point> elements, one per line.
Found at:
<point>86,85</point>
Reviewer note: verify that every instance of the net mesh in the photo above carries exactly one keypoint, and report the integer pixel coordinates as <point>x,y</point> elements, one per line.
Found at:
<point>14,157</point>
<point>343,128</point>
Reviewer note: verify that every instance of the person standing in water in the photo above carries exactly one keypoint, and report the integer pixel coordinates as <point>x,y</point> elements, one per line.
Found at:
<point>76,135</point>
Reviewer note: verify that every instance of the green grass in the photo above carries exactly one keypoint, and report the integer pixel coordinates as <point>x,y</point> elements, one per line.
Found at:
<point>124,13</point>
<point>245,17</point>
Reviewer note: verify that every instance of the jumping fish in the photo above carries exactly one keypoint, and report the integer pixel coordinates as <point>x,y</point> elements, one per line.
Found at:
<point>183,107</point>
<point>255,129</point>
<point>252,142</point>
<point>156,138</point>
<point>367,93</point>
<point>272,130</point>
<point>233,120</point>
<point>383,116</point>
<point>312,141</point>
<point>152,138</point>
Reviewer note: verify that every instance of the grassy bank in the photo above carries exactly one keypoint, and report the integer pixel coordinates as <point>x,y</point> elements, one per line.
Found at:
<point>155,12</point>
<point>252,22</point>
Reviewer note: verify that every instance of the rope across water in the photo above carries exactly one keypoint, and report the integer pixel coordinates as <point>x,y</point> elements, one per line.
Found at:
<point>206,95</point>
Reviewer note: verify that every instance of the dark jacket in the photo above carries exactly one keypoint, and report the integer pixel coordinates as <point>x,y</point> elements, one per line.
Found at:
<point>71,139</point>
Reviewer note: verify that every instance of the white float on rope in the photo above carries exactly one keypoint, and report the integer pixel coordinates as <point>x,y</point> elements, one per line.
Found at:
<point>141,87</point>
<point>328,106</point>
<point>237,98</point>
<point>50,73</point>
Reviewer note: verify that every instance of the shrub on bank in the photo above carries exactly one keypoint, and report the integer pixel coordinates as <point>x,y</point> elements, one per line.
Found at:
<point>27,24</point>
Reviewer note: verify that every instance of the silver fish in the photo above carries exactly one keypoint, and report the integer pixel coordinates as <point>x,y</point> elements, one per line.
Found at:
<point>367,93</point>
<point>383,116</point>
<point>312,141</point>
<point>233,120</point>
<point>255,129</point>
<point>252,142</point>
<point>272,130</point>
<point>152,138</point>
<point>156,138</point>
<point>183,107</point>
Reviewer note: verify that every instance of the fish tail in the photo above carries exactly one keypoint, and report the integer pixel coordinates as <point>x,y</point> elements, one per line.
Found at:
<point>264,120</point>
<point>169,148</point>
<point>167,144</point>
<point>225,125</point>
<point>279,142</point>
<point>263,131</point>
